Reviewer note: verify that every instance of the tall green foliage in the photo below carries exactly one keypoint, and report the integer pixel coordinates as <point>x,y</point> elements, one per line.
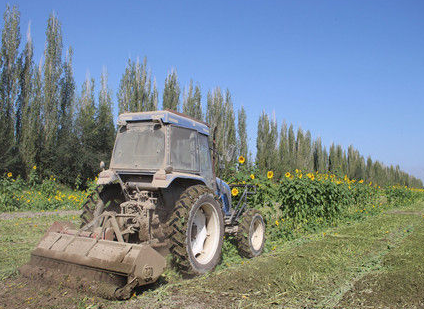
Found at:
<point>24,129</point>
<point>242,132</point>
<point>171,92</point>
<point>86,127</point>
<point>66,149</point>
<point>221,119</point>
<point>52,73</point>
<point>192,105</point>
<point>266,144</point>
<point>10,71</point>
<point>105,126</point>
<point>135,92</point>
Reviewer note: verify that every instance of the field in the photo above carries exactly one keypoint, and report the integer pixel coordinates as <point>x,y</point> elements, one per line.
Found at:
<point>374,262</point>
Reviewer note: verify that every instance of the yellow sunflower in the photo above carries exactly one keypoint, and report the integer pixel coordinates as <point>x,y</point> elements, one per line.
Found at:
<point>234,192</point>
<point>288,175</point>
<point>252,176</point>
<point>9,174</point>
<point>270,174</point>
<point>241,159</point>
<point>34,167</point>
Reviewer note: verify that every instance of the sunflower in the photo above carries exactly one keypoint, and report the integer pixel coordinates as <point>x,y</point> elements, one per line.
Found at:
<point>288,175</point>
<point>9,174</point>
<point>234,192</point>
<point>241,159</point>
<point>270,174</point>
<point>252,176</point>
<point>34,167</point>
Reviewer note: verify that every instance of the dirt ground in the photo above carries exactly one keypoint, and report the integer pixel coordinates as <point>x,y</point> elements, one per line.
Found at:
<point>375,263</point>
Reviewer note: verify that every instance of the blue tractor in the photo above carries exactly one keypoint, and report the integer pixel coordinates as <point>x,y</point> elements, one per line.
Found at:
<point>160,195</point>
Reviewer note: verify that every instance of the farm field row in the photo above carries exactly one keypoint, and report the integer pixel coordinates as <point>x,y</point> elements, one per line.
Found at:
<point>374,262</point>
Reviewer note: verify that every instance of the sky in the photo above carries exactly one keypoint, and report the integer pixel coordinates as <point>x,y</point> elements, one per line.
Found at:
<point>351,72</point>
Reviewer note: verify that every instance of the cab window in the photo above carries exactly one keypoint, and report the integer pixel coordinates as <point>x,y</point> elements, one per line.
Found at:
<point>184,149</point>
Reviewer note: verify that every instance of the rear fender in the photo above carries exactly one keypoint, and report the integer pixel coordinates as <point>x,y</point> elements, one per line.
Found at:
<point>173,191</point>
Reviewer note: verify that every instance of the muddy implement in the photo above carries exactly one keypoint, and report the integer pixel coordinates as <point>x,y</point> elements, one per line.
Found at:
<point>110,269</point>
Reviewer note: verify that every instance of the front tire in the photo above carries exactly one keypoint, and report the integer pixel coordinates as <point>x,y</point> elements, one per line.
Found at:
<point>197,231</point>
<point>251,234</point>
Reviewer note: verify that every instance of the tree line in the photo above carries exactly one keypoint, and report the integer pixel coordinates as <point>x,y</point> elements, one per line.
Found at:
<point>50,123</point>
<point>286,150</point>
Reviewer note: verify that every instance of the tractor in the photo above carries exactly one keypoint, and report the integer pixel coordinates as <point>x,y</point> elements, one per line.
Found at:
<point>160,196</point>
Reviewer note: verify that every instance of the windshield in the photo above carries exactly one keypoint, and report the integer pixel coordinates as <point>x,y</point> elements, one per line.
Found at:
<point>139,146</point>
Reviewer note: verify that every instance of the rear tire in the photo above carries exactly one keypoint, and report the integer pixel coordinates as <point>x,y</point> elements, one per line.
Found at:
<point>197,231</point>
<point>250,236</point>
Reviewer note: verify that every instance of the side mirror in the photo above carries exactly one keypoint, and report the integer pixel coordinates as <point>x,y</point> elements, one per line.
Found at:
<point>102,165</point>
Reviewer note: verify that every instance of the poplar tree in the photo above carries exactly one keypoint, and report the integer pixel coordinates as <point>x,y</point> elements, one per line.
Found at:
<point>25,86</point>
<point>51,82</point>
<point>332,161</point>
<point>300,160</point>
<point>198,114</point>
<point>325,160</point>
<point>192,102</point>
<point>266,144</point>
<point>369,173</point>
<point>171,92</point>
<point>283,151</point>
<point>26,103</point>
<point>319,158</point>
<point>153,98</point>
<point>291,148</point>
<point>263,132</point>
<point>242,132</point>
<point>214,108</point>
<point>220,117</point>
<point>105,127</point>
<point>307,152</point>
<point>65,155</point>
<point>10,71</point>
<point>229,131</point>
<point>135,92</point>
<point>86,127</point>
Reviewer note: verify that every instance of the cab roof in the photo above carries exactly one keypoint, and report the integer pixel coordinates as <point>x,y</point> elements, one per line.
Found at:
<point>167,116</point>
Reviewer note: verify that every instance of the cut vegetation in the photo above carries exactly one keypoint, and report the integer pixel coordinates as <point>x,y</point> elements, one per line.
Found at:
<point>376,262</point>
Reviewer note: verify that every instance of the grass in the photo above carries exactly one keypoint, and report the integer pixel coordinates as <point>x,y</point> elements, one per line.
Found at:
<point>377,262</point>
<point>315,271</point>
<point>19,236</point>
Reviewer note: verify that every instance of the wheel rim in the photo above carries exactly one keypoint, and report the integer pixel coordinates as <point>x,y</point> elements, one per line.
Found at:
<point>204,233</point>
<point>257,233</point>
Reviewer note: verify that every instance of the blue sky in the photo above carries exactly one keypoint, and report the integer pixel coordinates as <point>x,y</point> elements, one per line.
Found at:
<point>351,72</point>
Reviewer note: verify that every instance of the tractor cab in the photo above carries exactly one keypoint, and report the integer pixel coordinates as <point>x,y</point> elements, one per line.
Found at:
<point>163,143</point>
